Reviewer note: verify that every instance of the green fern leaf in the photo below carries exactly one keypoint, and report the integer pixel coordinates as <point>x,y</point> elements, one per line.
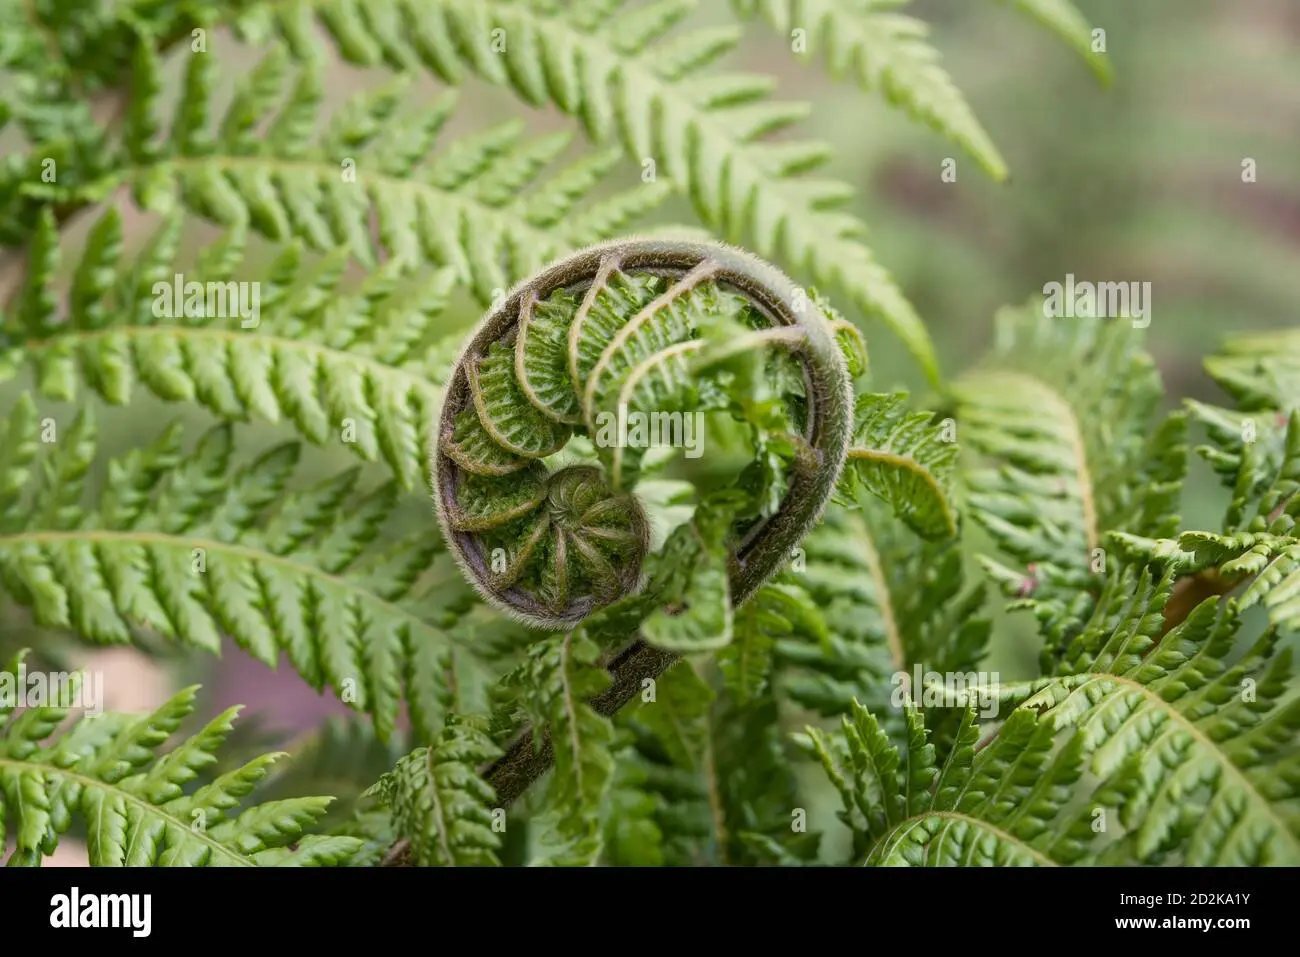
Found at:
<point>677,715</point>
<point>727,787</point>
<point>623,79</point>
<point>1203,754</point>
<point>1260,538</point>
<point>346,367</point>
<point>689,583</point>
<point>1260,371</point>
<point>884,50</point>
<point>468,208</point>
<point>1063,415</point>
<point>890,602</point>
<point>776,612</point>
<point>905,460</point>
<point>556,682</point>
<point>632,837</point>
<point>440,804</point>
<point>191,548</point>
<point>1006,804</point>
<point>107,770</point>
<point>1062,18</point>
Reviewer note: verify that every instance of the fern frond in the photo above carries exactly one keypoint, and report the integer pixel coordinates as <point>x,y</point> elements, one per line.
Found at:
<point>1063,18</point>
<point>1260,538</point>
<point>886,51</point>
<point>1005,804</point>
<point>632,835</point>
<point>368,181</point>
<point>191,547</point>
<point>1064,416</point>
<point>889,603</point>
<point>728,791</point>
<point>108,770</point>
<point>1201,756</point>
<point>440,804</point>
<point>672,763</point>
<point>556,682</point>
<point>622,77</point>
<point>904,459</point>
<point>777,612</point>
<point>58,65</point>
<point>1261,373</point>
<point>752,770</point>
<point>353,367</point>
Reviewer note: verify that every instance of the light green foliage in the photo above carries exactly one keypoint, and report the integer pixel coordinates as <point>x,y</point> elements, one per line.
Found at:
<point>882,49</point>
<point>1161,727</point>
<point>1065,20</point>
<point>1193,760</point>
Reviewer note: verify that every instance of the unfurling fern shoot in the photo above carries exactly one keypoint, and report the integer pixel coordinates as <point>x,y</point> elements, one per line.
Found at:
<point>636,327</point>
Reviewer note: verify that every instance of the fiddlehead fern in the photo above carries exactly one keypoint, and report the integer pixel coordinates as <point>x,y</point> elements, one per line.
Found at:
<point>623,332</point>
<point>618,333</point>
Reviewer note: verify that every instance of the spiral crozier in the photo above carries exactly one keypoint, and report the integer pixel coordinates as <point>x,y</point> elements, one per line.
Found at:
<point>612,331</point>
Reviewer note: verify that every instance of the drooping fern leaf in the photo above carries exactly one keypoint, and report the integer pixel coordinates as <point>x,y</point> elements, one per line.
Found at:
<point>108,771</point>
<point>887,51</point>
<point>1063,18</point>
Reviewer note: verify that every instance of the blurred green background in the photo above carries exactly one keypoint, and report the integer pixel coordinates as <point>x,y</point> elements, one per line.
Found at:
<point>1138,182</point>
